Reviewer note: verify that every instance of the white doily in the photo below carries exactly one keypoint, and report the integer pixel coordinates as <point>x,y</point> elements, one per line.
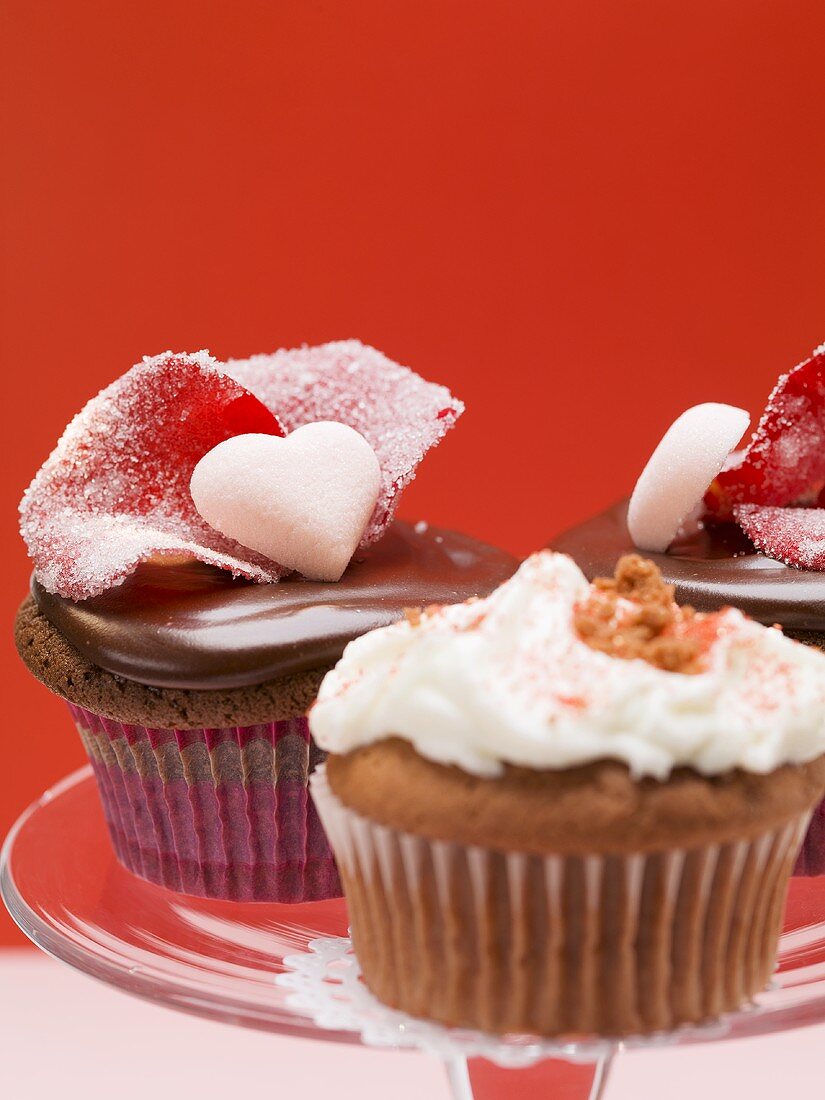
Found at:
<point>326,987</point>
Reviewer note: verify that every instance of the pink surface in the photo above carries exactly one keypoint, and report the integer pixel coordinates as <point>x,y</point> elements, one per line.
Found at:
<point>47,1007</point>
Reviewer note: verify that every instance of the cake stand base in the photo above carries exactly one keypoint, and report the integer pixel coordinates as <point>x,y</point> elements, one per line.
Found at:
<point>65,889</point>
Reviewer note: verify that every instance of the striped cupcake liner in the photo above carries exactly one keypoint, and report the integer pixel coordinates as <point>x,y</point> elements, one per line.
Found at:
<point>811,859</point>
<point>220,813</point>
<point>560,945</point>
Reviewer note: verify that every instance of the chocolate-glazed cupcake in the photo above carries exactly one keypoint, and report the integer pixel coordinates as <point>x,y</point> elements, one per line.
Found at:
<point>753,543</point>
<point>187,660</point>
<point>712,567</point>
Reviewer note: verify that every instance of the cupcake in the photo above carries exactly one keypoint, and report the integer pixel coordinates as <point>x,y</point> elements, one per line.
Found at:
<point>742,528</point>
<point>189,636</point>
<point>569,808</point>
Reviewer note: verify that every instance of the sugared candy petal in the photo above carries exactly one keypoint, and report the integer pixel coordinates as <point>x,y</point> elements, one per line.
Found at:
<point>689,456</point>
<point>795,536</point>
<point>784,462</point>
<point>115,491</point>
<point>303,501</point>
<point>399,414</point>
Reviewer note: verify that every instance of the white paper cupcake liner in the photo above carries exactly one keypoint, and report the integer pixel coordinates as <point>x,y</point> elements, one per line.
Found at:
<point>560,945</point>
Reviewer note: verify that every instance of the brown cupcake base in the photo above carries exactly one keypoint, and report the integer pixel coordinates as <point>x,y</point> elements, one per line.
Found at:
<point>67,672</point>
<point>560,944</point>
<point>596,807</point>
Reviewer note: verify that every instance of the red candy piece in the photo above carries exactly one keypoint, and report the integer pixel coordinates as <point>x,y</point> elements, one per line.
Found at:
<point>795,536</point>
<point>399,414</point>
<point>115,490</point>
<point>784,463</point>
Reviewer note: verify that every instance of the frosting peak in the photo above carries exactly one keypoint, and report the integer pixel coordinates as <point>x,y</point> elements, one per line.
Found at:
<point>510,680</point>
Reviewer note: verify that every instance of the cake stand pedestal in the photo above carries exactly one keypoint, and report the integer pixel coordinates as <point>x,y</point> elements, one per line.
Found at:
<point>66,891</point>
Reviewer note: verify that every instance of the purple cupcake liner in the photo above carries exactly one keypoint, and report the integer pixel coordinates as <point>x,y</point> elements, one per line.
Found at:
<point>220,813</point>
<point>811,859</point>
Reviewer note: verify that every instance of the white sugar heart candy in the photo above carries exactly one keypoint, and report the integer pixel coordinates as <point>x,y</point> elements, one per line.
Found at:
<point>692,452</point>
<point>303,501</point>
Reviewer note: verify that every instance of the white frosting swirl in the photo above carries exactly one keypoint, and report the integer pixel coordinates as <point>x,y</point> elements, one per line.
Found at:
<point>508,679</point>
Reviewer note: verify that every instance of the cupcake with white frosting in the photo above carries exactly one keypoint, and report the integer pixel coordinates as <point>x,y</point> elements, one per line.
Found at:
<point>570,808</point>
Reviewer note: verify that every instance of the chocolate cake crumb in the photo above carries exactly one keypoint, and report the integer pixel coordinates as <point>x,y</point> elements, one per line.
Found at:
<point>634,615</point>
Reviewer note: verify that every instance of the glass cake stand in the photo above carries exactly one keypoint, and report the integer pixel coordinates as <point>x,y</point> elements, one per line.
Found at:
<point>66,891</point>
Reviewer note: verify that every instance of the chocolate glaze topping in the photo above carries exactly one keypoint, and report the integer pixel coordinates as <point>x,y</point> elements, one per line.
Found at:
<point>191,625</point>
<point>710,568</point>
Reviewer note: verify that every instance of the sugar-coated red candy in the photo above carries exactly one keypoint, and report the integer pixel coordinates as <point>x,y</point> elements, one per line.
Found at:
<point>400,415</point>
<point>795,536</point>
<point>784,463</point>
<point>115,491</point>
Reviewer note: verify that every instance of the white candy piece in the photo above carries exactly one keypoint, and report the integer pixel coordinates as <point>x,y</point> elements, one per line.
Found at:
<point>692,452</point>
<point>303,501</point>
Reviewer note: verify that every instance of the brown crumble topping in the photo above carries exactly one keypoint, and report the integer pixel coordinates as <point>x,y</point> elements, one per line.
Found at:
<point>633,615</point>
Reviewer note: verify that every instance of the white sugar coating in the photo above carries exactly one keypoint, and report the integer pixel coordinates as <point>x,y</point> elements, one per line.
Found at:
<point>691,453</point>
<point>784,461</point>
<point>399,414</point>
<point>303,501</point>
<point>115,490</point>
<point>795,536</point>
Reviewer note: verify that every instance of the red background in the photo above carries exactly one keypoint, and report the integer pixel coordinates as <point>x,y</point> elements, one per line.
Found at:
<point>583,216</point>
